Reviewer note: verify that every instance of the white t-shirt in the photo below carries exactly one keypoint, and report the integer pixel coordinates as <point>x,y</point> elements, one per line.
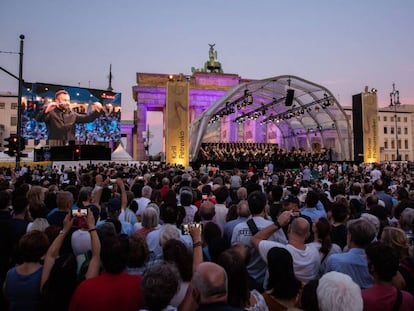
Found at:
<point>221,214</point>
<point>305,262</point>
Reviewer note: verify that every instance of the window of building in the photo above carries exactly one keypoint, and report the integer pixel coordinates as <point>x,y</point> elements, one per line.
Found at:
<point>392,144</point>
<point>14,106</point>
<point>386,157</point>
<point>392,119</point>
<point>399,144</point>
<point>13,121</point>
<point>2,105</point>
<point>399,130</point>
<point>398,119</point>
<point>385,118</point>
<point>406,130</point>
<point>386,144</point>
<point>406,143</point>
<point>406,157</point>
<point>385,130</point>
<point>392,130</point>
<point>405,119</point>
<point>393,157</point>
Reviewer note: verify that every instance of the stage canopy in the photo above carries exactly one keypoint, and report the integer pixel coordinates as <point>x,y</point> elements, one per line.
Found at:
<point>300,110</point>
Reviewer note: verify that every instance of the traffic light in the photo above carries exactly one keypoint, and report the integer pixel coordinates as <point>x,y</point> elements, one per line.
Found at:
<point>22,143</point>
<point>13,144</point>
<point>76,153</point>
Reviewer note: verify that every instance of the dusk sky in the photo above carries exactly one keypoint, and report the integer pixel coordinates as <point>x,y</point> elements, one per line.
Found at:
<point>342,45</point>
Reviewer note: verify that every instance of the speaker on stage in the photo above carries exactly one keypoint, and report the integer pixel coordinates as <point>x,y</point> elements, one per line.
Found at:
<point>290,94</point>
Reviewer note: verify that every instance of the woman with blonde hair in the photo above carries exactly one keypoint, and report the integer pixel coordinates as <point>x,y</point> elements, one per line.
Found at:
<point>37,208</point>
<point>396,238</point>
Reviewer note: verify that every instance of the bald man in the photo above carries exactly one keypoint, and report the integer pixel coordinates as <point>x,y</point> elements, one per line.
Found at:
<point>209,285</point>
<point>306,259</point>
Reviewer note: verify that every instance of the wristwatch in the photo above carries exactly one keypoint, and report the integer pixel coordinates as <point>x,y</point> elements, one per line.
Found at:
<point>277,224</point>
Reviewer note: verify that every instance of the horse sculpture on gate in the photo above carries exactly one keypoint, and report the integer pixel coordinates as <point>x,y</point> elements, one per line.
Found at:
<point>212,65</point>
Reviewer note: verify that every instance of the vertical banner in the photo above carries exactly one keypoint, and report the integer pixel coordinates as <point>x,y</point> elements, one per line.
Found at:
<point>370,127</point>
<point>176,123</point>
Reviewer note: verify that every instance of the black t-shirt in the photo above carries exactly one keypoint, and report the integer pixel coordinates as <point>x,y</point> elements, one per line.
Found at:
<point>339,235</point>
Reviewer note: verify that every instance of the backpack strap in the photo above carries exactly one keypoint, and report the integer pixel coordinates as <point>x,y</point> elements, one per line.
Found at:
<point>252,226</point>
<point>398,301</point>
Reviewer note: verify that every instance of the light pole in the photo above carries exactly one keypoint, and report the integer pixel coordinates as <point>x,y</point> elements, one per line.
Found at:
<point>19,97</point>
<point>394,102</point>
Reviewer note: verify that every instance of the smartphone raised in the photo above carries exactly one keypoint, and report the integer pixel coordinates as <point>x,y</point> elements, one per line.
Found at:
<point>80,212</point>
<point>185,229</point>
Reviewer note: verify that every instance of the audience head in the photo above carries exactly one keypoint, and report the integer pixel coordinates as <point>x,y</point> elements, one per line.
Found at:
<point>243,209</point>
<point>209,284</point>
<point>150,218</point>
<point>300,228</point>
<point>207,210</point>
<point>160,283</point>
<point>138,251</point>
<point>175,252</point>
<point>238,278</point>
<point>383,261</point>
<point>114,253</point>
<point>406,220</point>
<point>257,202</point>
<point>168,232</point>
<point>186,196</point>
<point>169,214</point>
<point>221,194</point>
<point>64,200</point>
<point>282,280</point>
<point>340,212</point>
<point>146,191</point>
<point>337,291</point>
<point>396,239</point>
<point>242,193</point>
<point>360,232</point>
<point>33,246</point>
<point>312,198</point>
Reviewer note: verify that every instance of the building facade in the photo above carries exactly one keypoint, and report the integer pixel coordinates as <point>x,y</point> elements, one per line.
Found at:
<point>395,129</point>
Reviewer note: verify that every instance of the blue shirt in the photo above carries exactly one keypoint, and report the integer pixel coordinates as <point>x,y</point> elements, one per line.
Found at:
<point>23,291</point>
<point>314,213</point>
<point>353,263</point>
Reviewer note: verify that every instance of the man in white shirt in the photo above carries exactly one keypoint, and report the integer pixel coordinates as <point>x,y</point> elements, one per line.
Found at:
<point>306,259</point>
<point>143,201</point>
<point>375,174</point>
<point>221,209</point>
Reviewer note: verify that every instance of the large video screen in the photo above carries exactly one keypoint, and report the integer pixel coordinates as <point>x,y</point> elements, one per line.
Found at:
<point>104,128</point>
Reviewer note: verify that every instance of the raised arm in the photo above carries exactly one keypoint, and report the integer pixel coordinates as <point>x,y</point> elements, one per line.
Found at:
<point>265,233</point>
<point>121,187</point>
<point>54,248</point>
<point>95,262</point>
<point>195,233</point>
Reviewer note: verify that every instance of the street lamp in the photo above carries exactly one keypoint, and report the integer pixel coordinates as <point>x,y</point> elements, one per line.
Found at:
<point>394,102</point>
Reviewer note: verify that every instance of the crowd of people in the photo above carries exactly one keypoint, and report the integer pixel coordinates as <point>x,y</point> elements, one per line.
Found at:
<point>237,153</point>
<point>327,236</point>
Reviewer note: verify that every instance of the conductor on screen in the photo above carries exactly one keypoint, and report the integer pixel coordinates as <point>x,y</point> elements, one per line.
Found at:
<point>60,120</point>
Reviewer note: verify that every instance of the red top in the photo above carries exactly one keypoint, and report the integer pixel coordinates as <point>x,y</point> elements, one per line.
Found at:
<point>121,292</point>
<point>383,298</point>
